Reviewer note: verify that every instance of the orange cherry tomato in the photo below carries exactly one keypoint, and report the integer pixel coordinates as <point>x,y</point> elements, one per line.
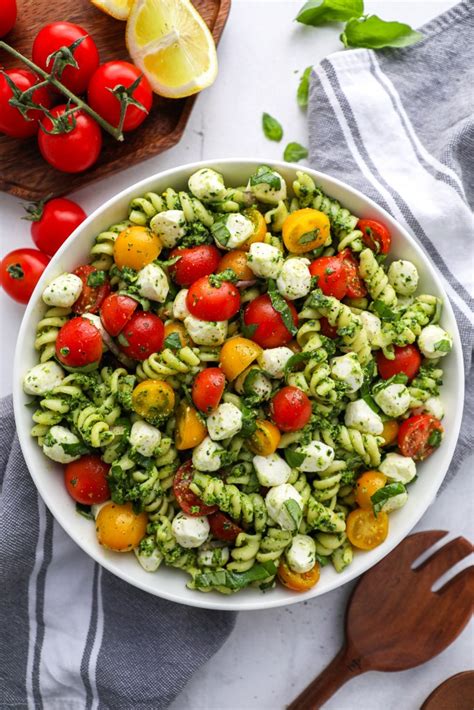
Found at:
<point>298,581</point>
<point>178,328</point>
<point>366,486</point>
<point>237,261</point>
<point>390,432</point>
<point>259,228</point>
<point>236,355</point>
<point>190,430</point>
<point>305,230</point>
<point>265,439</point>
<point>366,531</point>
<point>136,247</point>
<point>119,528</point>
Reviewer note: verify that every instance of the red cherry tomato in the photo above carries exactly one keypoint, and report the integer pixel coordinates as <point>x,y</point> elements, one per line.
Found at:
<point>20,271</point>
<point>116,311</point>
<point>355,284</point>
<point>208,388</point>
<point>12,122</point>
<point>187,500</point>
<point>143,335</point>
<point>332,276</point>
<point>52,222</point>
<point>271,332</point>
<point>223,527</point>
<point>74,151</point>
<point>407,360</point>
<point>213,303</point>
<point>86,480</point>
<point>95,288</point>
<point>7,16</point>
<point>194,263</point>
<point>101,98</point>
<point>419,436</point>
<point>52,37</point>
<point>79,343</point>
<point>330,331</point>
<point>290,409</point>
<point>375,235</point>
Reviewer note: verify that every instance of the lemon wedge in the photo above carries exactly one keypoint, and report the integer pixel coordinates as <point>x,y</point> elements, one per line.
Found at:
<point>120,9</point>
<point>170,42</point>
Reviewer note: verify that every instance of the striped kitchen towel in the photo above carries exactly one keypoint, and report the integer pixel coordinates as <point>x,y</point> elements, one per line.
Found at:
<point>399,126</point>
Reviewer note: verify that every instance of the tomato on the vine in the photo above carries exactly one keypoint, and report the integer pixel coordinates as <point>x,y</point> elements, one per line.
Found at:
<point>79,343</point>
<point>407,360</point>
<point>375,235</point>
<point>142,335</point>
<point>86,480</point>
<point>419,436</point>
<point>187,500</point>
<point>213,303</point>
<point>194,263</point>
<point>106,102</point>
<point>53,221</point>
<point>208,388</point>
<point>75,150</point>
<point>20,271</point>
<point>115,312</point>
<point>269,330</point>
<point>290,409</point>
<point>7,16</point>
<point>12,123</point>
<point>95,288</point>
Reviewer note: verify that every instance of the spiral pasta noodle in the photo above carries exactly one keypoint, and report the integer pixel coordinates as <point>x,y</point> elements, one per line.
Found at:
<point>47,331</point>
<point>248,508</point>
<point>405,329</point>
<point>169,363</point>
<point>245,552</point>
<point>102,251</point>
<point>376,279</point>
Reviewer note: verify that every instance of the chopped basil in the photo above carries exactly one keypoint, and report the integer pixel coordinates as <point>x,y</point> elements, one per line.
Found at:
<point>84,510</point>
<point>173,341</point>
<point>383,494</point>
<point>248,330</point>
<point>322,560</point>
<point>235,580</point>
<point>281,306</point>
<point>271,128</point>
<point>294,152</point>
<point>123,340</point>
<point>266,176</point>
<point>74,449</point>
<point>308,237</point>
<point>303,88</point>
<point>249,417</point>
<point>319,12</point>
<point>374,33</point>
<point>294,458</point>
<point>167,262</point>
<point>435,437</point>
<point>294,511</point>
<point>296,359</point>
<point>96,278</point>
<point>228,275</point>
<point>220,232</point>
<point>443,346</point>
<point>383,311</point>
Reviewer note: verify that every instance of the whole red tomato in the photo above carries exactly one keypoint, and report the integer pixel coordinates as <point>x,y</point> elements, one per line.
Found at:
<point>406,360</point>
<point>52,222</point>
<point>269,330</point>
<point>142,335</point>
<point>290,409</point>
<point>12,123</point>
<point>79,343</point>
<point>20,271</point>
<point>7,16</point>
<point>194,263</point>
<point>213,303</point>
<point>102,98</point>
<point>86,480</point>
<point>74,151</point>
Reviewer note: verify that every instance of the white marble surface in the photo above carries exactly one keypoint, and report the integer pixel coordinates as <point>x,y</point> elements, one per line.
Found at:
<point>272,655</point>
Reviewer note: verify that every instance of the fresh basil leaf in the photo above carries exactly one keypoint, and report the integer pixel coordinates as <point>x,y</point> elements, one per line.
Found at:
<point>235,580</point>
<point>74,449</point>
<point>123,340</point>
<point>435,438</point>
<point>297,359</point>
<point>302,92</point>
<point>281,306</point>
<point>383,494</point>
<point>248,330</point>
<point>308,237</point>
<point>167,262</point>
<point>322,560</point>
<point>294,511</point>
<point>294,458</point>
<point>443,346</point>
<point>84,510</point>
<point>249,421</point>
<point>128,274</point>
<point>383,311</point>
<point>294,152</point>
<point>96,278</point>
<point>173,341</point>
<point>271,128</point>
<point>318,12</point>
<point>220,232</point>
<point>144,302</point>
<point>265,175</point>
<point>373,33</point>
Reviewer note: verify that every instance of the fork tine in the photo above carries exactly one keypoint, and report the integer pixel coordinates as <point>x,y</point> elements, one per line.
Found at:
<point>443,559</point>
<point>414,545</point>
<point>460,585</point>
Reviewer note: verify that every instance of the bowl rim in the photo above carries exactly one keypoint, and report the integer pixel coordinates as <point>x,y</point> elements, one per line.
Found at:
<point>232,602</point>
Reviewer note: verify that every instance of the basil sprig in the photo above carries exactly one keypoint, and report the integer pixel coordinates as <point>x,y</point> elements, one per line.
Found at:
<point>272,128</point>
<point>281,306</point>
<point>235,580</point>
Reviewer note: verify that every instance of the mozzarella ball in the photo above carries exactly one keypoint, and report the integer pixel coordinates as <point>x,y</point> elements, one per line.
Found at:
<point>253,382</point>
<point>234,232</point>
<point>273,360</point>
<point>207,185</point>
<point>213,556</point>
<point>190,531</point>
<point>361,417</point>
<point>276,502</point>
<point>434,342</point>
<point>301,554</point>
<point>144,437</point>
<point>393,400</point>
<point>403,277</point>
<point>180,308</point>
<point>348,369</point>
<point>268,194</point>
<point>294,280</point>
<point>204,332</point>
<point>57,443</point>
<point>169,226</point>
<point>63,291</point>
<point>395,502</point>
<point>152,283</point>
<point>225,422</point>
<point>43,378</point>
<point>317,456</point>
<point>206,455</point>
<point>434,406</point>
<point>151,562</point>
<point>398,468</point>
<point>264,260</point>
<point>271,470</point>
<point>373,328</point>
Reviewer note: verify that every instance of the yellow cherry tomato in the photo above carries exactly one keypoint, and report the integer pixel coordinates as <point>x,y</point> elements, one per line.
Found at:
<point>237,261</point>
<point>390,432</point>
<point>119,528</point>
<point>153,400</point>
<point>298,581</point>
<point>259,227</point>
<point>265,439</point>
<point>365,530</point>
<point>178,328</point>
<point>236,355</point>
<point>136,247</point>
<point>190,430</point>
<point>366,485</point>
<point>305,230</point>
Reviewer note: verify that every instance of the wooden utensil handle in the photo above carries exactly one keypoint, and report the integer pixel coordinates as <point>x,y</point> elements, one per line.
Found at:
<point>342,668</point>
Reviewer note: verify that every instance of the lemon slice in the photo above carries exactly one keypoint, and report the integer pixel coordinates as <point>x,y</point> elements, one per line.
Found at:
<point>170,42</point>
<point>120,9</point>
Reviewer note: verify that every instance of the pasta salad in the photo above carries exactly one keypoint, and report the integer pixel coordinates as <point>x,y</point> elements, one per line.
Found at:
<point>241,383</point>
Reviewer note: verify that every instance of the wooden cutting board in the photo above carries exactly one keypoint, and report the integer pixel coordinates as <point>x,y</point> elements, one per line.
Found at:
<point>23,172</point>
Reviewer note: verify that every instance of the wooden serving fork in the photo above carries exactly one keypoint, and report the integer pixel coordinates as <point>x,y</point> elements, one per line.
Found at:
<point>393,619</point>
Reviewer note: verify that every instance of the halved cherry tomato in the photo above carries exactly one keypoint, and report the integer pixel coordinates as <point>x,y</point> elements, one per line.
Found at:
<point>115,312</point>
<point>86,480</point>
<point>237,261</point>
<point>119,528</point>
<point>79,343</point>
<point>298,581</point>
<point>194,263</point>
<point>290,409</point>
<point>12,123</point>
<point>419,436</point>
<point>236,355</point>
<point>330,331</point>
<point>270,331</point>
<point>136,247</point>
<point>20,271</point>
<point>187,500</point>
<point>180,330</point>
<point>142,336</point>
<point>223,527</point>
<point>259,227</point>
<point>265,439</point>
<point>95,288</point>
<point>213,303</point>
<point>407,360</point>
<point>390,432</point>
<point>331,274</point>
<point>366,485</point>
<point>375,235</point>
<point>366,531</point>
<point>305,230</point>
<point>190,430</point>
<point>208,388</point>
<point>153,400</point>
<point>355,284</point>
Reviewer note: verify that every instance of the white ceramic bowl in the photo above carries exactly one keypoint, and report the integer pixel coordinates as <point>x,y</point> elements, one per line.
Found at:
<point>171,583</point>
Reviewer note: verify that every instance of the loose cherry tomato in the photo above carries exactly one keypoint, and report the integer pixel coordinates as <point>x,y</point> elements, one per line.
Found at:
<point>330,331</point>
<point>390,432</point>
<point>270,332</point>
<point>237,261</point>
<point>213,303</point>
<point>52,222</point>
<point>375,235</point>
<point>62,34</point>
<point>136,247</point>
<point>153,400</point>
<point>12,123</point>
<point>95,288</point>
<point>298,581</point>
<point>190,430</point>
<point>187,500</point>
<point>407,360</point>
<point>290,409</point>
<point>79,343</point>
<point>20,271</point>
<point>236,355</point>
<point>86,480</point>
<point>365,530</point>
<point>419,436</point>
<point>103,99</point>
<point>142,335</point>
<point>74,151</point>
<point>7,16</point>
<point>115,312</point>
<point>194,263</point>
<point>222,527</point>
<point>355,284</point>
<point>119,528</point>
<point>305,230</point>
<point>331,274</point>
<point>208,388</point>
<point>366,485</point>
<point>265,439</point>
